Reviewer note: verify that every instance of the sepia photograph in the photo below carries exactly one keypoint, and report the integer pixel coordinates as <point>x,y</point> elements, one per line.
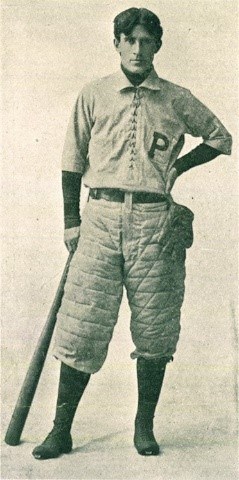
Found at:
<point>119,240</point>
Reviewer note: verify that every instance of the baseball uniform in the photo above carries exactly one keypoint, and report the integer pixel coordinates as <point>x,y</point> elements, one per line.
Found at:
<point>124,140</point>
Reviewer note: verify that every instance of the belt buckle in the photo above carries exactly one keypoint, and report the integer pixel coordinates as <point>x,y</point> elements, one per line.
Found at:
<point>94,193</point>
<point>128,200</point>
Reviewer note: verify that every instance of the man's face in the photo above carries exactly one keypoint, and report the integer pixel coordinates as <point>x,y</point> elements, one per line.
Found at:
<point>137,50</point>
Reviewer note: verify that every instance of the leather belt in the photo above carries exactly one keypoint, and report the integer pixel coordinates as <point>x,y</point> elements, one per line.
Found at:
<point>117,195</point>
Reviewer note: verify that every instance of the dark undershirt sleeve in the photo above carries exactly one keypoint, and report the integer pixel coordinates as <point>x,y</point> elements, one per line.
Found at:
<point>71,187</point>
<point>203,153</point>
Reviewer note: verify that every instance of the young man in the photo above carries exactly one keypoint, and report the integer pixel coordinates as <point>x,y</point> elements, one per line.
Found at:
<point>124,138</point>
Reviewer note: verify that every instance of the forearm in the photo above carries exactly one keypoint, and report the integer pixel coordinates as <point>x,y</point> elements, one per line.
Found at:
<point>71,187</point>
<point>203,153</point>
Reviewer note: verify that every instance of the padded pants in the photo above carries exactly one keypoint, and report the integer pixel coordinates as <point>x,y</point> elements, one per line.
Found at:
<point>141,247</point>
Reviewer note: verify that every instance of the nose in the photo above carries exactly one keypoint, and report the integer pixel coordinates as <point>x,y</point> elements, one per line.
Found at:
<point>137,47</point>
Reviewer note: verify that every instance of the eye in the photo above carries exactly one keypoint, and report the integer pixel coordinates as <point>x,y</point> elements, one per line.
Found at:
<point>130,40</point>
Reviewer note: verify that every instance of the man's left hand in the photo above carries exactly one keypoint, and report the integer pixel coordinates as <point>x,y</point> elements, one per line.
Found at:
<point>172,176</point>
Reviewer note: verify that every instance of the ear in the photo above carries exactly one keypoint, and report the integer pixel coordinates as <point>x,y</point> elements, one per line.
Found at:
<point>116,43</point>
<point>158,46</point>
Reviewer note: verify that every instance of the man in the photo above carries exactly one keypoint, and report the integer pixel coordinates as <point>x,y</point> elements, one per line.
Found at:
<point>124,138</point>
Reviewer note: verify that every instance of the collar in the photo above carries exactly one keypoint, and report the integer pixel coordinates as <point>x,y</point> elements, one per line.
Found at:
<point>121,82</point>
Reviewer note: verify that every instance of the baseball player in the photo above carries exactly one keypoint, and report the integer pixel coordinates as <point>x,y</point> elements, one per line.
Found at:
<point>124,141</point>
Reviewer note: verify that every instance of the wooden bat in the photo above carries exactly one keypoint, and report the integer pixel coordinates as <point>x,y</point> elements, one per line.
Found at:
<point>31,380</point>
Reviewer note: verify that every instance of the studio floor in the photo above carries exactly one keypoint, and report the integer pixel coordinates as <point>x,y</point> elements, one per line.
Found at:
<point>195,421</point>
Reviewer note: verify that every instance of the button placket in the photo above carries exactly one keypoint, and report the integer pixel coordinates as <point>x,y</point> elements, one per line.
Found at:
<point>133,128</point>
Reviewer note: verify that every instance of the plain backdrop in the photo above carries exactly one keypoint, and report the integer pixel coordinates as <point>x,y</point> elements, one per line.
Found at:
<point>51,48</point>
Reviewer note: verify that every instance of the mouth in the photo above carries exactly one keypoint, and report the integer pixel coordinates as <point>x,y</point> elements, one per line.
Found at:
<point>137,62</point>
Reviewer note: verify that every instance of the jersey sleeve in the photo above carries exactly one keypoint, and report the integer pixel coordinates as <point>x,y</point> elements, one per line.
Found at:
<point>75,151</point>
<point>201,122</point>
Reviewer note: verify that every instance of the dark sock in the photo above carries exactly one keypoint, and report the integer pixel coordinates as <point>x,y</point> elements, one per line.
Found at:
<point>150,375</point>
<point>72,385</point>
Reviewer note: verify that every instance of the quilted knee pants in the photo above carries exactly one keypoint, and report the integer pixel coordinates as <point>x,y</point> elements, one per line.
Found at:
<point>140,247</point>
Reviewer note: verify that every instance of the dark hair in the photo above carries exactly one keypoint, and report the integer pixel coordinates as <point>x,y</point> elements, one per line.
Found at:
<point>126,21</point>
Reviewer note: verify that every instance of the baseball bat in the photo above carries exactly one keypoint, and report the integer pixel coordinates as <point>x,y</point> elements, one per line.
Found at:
<point>32,377</point>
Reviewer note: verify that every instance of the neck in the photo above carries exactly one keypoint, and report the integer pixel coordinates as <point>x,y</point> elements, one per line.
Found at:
<point>136,78</point>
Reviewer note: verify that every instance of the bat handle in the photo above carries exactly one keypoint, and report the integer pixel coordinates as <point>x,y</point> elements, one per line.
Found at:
<point>31,380</point>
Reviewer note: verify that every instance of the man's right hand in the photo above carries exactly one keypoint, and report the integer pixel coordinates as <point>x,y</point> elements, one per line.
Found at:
<point>71,238</point>
<point>172,177</point>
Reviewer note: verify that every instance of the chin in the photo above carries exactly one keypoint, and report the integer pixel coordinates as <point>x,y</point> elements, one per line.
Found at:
<point>137,69</point>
